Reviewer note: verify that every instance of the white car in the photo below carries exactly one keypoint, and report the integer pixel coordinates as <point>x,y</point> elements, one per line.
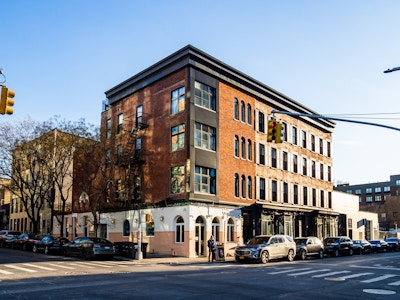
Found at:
<point>263,248</point>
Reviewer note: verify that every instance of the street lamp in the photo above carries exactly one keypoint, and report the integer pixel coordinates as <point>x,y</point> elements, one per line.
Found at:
<point>391,70</point>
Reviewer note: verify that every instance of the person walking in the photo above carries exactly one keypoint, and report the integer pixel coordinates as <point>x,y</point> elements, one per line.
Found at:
<point>211,249</point>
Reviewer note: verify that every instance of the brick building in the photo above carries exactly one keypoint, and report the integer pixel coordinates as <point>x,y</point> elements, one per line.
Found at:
<point>187,142</point>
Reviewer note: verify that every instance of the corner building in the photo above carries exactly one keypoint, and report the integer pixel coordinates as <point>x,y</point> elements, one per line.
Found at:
<point>188,138</point>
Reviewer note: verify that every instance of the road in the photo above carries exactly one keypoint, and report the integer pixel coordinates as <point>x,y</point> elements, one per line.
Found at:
<point>25,275</point>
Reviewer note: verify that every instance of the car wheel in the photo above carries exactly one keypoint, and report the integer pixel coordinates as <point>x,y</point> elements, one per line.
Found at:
<point>47,250</point>
<point>291,255</point>
<point>24,247</point>
<point>350,252</point>
<point>336,252</point>
<point>303,254</point>
<point>85,255</point>
<point>264,257</point>
<point>321,254</point>
<point>66,253</point>
<point>34,249</point>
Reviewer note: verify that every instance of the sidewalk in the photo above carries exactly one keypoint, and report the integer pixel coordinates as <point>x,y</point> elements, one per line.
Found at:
<point>152,258</point>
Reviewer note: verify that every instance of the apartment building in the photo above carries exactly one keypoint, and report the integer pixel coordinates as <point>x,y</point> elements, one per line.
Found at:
<point>187,144</point>
<point>5,197</point>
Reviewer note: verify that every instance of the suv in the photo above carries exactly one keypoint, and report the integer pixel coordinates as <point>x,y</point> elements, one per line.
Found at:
<point>262,248</point>
<point>7,234</point>
<point>394,243</point>
<point>335,246</point>
<point>309,246</point>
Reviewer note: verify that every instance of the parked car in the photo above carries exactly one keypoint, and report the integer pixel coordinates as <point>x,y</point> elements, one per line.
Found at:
<point>309,246</point>
<point>6,234</point>
<point>362,247</point>
<point>263,248</point>
<point>88,247</point>
<point>50,244</point>
<point>394,243</point>
<point>379,246</point>
<point>339,245</point>
<point>25,241</point>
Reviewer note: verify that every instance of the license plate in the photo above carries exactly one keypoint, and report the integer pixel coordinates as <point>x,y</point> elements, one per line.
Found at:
<point>241,257</point>
<point>106,247</point>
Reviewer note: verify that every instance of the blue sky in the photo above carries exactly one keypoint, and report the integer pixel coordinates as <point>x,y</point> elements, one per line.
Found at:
<point>61,56</point>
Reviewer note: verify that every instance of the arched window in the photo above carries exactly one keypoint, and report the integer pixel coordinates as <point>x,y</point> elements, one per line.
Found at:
<point>249,150</point>
<point>179,230</point>
<point>236,185</point>
<point>215,229</point>
<point>249,114</point>
<point>249,188</point>
<point>236,145</point>
<point>236,108</point>
<point>230,230</point>
<point>243,186</point>
<point>243,148</point>
<point>126,228</point>
<point>242,112</point>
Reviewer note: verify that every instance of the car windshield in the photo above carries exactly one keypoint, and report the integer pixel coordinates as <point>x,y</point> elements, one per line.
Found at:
<point>258,240</point>
<point>331,240</point>
<point>300,241</point>
<point>356,242</point>
<point>391,240</point>
<point>100,240</point>
<point>374,242</point>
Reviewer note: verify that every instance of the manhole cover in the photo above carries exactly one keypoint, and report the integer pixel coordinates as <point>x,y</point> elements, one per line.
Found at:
<point>379,292</point>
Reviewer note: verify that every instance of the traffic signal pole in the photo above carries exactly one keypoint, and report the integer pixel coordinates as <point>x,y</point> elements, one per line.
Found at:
<point>334,119</point>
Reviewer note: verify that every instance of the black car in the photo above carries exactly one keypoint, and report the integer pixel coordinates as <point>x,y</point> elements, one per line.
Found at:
<point>6,236</point>
<point>88,247</point>
<point>309,246</point>
<point>379,246</point>
<point>25,242</point>
<point>339,245</point>
<point>362,247</point>
<point>394,243</point>
<point>50,244</point>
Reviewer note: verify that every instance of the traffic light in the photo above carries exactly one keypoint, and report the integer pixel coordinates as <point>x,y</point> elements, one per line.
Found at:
<point>6,101</point>
<point>271,135</point>
<point>278,133</point>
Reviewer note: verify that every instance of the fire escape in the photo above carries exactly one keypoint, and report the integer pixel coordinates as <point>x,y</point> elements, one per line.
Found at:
<point>130,162</point>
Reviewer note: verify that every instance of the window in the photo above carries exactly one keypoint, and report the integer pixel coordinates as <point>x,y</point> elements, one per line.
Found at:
<point>243,186</point>
<point>285,160</point>
<point>249,150</point>
<point>249,188</point>
<point>178,100</point>
<point>236,185</point>
<point>368,190</point>
<point>230,230</point>
<point>179,230</point>
<point>314,197</point>
<point>177,180</point>
<point>177,137</point>
<point>383,216</point>
<point>262,154</point>
<point>284,132</point>
<point>205,136</point>
<point>108,159</point>
<point>357,192</point>
<point>149,225</point>
<point>262,188</point>
<point>285,192</point>
<point>294,136</point>
<point>126,228</point>
<point>294,163</point>
<point>378,198</point>
<point>378,190</point>
<point>236,109</point>
<point>321,146</point>
<point>205,180</point>
<point>274,190</point>
<point>243,148</point>
<point>312,142</point>
<point>119,191</point>
<point>215,229</point>
<point>119,154</point>
<point>295,194</point>
<point>249,114</point>
<point>321,171</point>
<point>119,128</point>
<point>273,157</point>
<point>313,173</point>
<point>304,139</point>
<point>368,199</point>
<point>108,129</point>
<point>261,122</point>
<point>236,146</point>
<point>398,182</point>
<point>304,166</point>
<point>328,146</point>
<point>386,189</point>
<point>322,198</point>
<point>139,116</point>
<point>329,174</point>
<point>305,195</point>
<point>242,112</point>
<point>329,200</point>
<point>204,96</point>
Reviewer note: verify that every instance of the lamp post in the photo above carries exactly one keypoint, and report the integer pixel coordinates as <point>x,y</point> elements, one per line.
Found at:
<point>392,70</point>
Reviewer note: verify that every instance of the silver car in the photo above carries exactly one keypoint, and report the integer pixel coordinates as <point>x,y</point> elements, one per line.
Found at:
<point>263,248</point>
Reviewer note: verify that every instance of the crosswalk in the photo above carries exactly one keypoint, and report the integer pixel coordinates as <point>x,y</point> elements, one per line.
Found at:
<point>44,267</point>
<point>364,277</point>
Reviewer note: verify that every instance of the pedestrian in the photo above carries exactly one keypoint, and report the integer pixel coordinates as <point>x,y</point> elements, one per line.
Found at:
<point>211,249</point>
